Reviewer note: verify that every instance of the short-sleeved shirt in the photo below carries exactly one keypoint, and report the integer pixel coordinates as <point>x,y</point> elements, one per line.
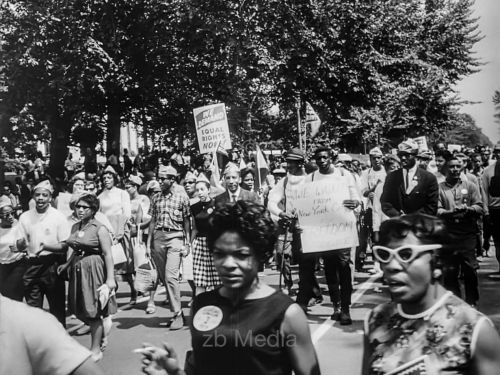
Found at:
<point>48,228</point>
<point>169,210</point>
<point>8,238</point>
<point>33,342</point>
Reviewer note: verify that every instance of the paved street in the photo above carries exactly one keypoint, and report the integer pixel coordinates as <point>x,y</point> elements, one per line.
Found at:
<point>339,347</point>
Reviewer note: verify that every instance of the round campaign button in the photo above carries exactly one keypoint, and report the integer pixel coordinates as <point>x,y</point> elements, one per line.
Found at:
<point>177,212</point>
<point>464,191</point>
<point>81,234</point>
<point>210,210</point>
<point>207,318</point>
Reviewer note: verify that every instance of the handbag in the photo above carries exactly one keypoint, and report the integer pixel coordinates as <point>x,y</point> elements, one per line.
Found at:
<point>146,276</point>
<point>139,250</point>
<point>118,253</point>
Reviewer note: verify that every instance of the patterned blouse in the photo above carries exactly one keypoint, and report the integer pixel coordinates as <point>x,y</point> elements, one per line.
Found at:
<point>441,340</point>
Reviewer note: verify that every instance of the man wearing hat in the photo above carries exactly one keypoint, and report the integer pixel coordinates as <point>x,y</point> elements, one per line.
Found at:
<point>370,179</point>
<point>169,238</point>
<point>233,191</point>
<point>410,189</point>
<point>286,219</point>
<point>42,232</point>
<point>424,157</point>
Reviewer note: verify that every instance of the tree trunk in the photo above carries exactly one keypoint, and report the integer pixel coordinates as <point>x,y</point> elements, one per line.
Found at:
<point>113,126</point>
<point>4,124</point>
<point>60,131</point>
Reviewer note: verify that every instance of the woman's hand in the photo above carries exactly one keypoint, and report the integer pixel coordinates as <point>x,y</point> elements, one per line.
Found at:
<point>159,361</point>
<point>111,283</point>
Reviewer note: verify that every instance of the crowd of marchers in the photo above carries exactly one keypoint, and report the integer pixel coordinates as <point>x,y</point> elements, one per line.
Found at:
<point>425,216</point>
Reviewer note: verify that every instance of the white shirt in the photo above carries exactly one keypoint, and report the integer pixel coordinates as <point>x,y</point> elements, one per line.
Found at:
<point>352,185</point>
<point>33,342</point>
<point>8,238</point>
<point>369,179</point>
<point>410,173</point>
<point>278,194</point>
<point>48,228</point>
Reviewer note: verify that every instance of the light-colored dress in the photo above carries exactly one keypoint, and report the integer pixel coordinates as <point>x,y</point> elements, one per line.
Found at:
<point>115,204</point>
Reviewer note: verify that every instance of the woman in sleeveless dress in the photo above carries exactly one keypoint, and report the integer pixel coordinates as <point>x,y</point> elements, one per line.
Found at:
<point>245,326</point>
<point>425,329</point>
<point>92,273</point>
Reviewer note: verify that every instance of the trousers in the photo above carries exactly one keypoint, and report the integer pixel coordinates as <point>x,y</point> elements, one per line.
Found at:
<point>166,254</point>
<point>337,274</point>
<point>41,280</point>
<point>11,279</point>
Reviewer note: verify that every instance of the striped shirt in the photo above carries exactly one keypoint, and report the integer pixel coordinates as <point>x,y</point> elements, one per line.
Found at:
<point>169,210</point>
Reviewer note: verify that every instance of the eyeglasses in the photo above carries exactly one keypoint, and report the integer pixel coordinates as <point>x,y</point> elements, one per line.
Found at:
<point>189,182</point>
<point>7,214</point>
<point>78,206</point>
<point>404,254</point>
<point>166,178</point>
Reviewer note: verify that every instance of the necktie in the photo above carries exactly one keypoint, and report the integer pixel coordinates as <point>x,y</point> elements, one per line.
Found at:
<point>407,172</point>
<point>233,198</point>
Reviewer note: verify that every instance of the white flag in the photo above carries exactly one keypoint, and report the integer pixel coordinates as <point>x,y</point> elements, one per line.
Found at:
<point>312,119</point>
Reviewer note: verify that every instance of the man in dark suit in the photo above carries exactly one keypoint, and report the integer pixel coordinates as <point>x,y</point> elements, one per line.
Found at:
<point>410,189</point>
<point>233,191</point>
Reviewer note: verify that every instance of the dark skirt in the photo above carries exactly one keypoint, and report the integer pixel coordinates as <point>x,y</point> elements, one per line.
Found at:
<point>204,271</point>
<point>87,275</point>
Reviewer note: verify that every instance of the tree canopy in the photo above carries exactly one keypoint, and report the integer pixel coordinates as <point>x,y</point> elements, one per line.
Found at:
<point>374,71</point>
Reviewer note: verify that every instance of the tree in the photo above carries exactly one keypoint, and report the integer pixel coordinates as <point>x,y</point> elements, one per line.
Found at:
<point>466,133</point>
<point>496,103</point>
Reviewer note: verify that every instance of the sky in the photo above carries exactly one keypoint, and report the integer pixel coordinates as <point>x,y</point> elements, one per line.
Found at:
<point>480,86</point>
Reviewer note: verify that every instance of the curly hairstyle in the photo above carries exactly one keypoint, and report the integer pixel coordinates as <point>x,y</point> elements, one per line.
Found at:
<point>251,221</point>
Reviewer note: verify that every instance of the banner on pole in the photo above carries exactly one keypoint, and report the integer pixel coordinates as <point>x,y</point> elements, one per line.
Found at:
<point>212,128</point>
<point>325,223</point>
<point>312,119</point>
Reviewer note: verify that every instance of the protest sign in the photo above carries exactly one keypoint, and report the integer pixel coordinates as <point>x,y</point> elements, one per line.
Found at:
<point>325,223</point>
<point>422,143</point>
<point>454,148</point>
<point>212,127</point>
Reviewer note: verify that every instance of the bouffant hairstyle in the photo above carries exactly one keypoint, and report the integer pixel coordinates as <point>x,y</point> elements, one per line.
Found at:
<point>428,229</point>
<point>251,221</point>
<point>91,200</point>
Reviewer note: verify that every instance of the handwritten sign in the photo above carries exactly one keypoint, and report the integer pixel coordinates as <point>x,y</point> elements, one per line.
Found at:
<point>422,143</point>
<point>326,224</point>
<point>212,127</point>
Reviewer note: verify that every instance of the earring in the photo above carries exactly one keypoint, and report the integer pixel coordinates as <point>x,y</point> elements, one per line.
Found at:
<point>436,274</point>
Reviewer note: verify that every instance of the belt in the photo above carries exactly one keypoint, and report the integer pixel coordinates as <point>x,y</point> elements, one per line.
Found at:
<point>168,230</point>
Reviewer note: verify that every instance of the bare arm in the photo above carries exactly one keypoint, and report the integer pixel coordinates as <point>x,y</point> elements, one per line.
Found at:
<point>486,357</point>
<point>105,243</point>
<point>89,367</point>
<point>298,342</point>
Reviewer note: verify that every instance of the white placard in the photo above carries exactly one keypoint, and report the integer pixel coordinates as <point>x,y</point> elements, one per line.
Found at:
<point>212,127</point>
<point>325,223</point>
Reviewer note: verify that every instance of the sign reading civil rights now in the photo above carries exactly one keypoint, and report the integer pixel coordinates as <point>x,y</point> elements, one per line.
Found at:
<point>212,127</point>
<point>325,223</point>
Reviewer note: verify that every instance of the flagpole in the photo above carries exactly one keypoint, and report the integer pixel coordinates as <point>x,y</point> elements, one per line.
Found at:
<point>257,150</point>
<point>299,123</point>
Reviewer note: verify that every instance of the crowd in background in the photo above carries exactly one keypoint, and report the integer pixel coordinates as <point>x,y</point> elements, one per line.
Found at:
<point>68,229</point>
